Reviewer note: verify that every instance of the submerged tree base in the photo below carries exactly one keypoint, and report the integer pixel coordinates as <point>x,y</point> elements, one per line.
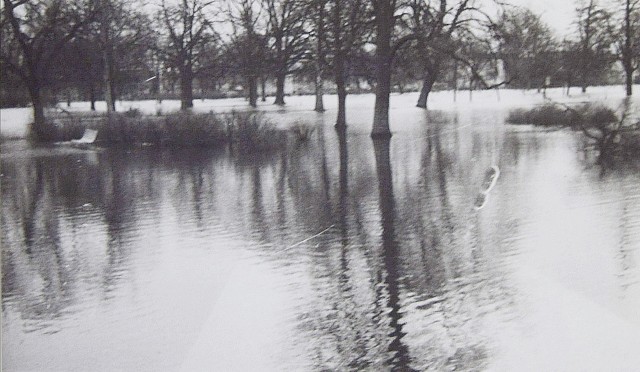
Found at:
<point>383,135</point>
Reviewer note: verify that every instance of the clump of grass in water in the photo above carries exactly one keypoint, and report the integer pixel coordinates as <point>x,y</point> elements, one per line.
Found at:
<point>251,131</point>
<point>244,131</point>
<point>547,115</point>
<point>611,134</point>
<point>555,115</point>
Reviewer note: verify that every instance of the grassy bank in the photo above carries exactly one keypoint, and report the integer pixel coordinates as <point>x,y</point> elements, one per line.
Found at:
<point>244,130</point>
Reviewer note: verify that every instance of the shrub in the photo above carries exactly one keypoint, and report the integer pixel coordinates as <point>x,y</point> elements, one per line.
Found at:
<point>180,129</point>
<point>188,129</point>
<point>249,131</point>
<point>553,115</point>
<point>611,136</point>
<point>546,115</point>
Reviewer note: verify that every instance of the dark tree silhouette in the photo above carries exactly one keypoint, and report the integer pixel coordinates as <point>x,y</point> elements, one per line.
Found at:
<point>319,55</point>
<point>34,34</point>
<point>189,33</point>
<point>346,32</point>
<point>248,47</point>
<point>626,36</point>
<point>526,46</point>
<point>289,39</point>
<point>593,40</point>
<point>384,11</point>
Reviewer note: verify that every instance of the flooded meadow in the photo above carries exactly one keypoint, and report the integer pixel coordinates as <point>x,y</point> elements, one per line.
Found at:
<point>339,253</point>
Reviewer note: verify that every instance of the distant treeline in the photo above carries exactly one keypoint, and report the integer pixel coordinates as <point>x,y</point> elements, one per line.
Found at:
<point>57,50</point>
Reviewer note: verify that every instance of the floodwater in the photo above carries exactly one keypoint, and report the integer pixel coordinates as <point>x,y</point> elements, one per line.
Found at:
<point>341,253</point>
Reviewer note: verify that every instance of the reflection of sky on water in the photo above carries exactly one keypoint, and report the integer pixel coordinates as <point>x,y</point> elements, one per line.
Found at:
<point>184,259</point>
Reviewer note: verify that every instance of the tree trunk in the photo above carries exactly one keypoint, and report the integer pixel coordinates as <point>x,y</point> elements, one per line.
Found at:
<point>280,79</point>
<point>252,82</point>
<point>319,85</point>
<point>427,85</point>
<point>108,88</point>
<point>319,68</point>
<point>384,26</point>
<point>92,97</point>
<point>40,130</point>
<point>341,121</point>
<point>107,55</point>
<point>114,96</point>
<point>186,88</point>
<point>583,82</point>
<point>263,85</point>
<point>627,53</point>
<point>455,81</point>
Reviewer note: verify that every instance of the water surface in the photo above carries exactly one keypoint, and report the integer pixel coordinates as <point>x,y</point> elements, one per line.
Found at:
<point>342,253</point>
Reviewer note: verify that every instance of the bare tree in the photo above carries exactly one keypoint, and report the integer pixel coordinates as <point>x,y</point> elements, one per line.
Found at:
<point>526,46</point>
<point>319,57</point>
<point>289,39</point>
<point>33,36</point>
<point>347,31</point>
<point>628,47</point>
<point>123,35</point>
<point>248,45</point>
<point>189,33</point>
<point>436,26</point>
<point>593,40</point>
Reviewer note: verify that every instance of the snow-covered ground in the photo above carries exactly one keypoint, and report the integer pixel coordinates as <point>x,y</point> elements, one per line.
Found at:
<point>14,121</point>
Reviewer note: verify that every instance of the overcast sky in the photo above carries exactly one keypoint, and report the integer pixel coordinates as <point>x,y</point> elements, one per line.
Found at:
<point>558,14</point>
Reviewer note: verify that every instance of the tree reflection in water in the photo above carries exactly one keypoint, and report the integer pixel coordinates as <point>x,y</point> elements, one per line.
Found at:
<point>400,354</point>
<point>404,274</point>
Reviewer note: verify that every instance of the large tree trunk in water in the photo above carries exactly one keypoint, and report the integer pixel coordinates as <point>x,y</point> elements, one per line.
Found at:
<point>92,97</point>
<point>41,131</point>
<point>252,82</point>
<point>319,68</point>
<point>186,88</point>
<point>341,120</point>
<point>107,56</point>
<point>108,83</point>
<point>280,79</point>
<point>427,85</point>
<point>627,53</point>
<point>319,85</point>
<point>384,26</point>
